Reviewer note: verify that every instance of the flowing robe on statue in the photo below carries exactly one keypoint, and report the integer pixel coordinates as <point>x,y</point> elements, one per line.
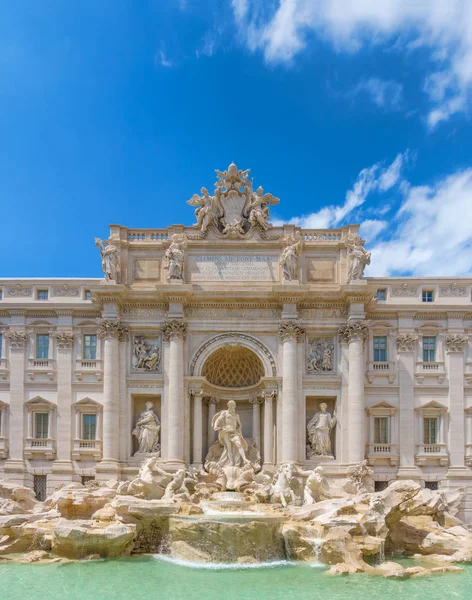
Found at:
<point>231,438</point>
<point>319,433</point>
<point>147,431</point>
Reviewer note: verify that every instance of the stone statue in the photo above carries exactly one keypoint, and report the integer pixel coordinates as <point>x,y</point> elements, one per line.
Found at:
<point>150,483</point>
<point>359,258</point>
<point>144,356</point>
<point>289,259</point>
<point>284,485</point>
<point>147,431</point>
<point>316,487</point>
<point>207,209</point>
<point>174,258</point>
<point>228,425</point>
<point>109,255</point>
<point>319,432</point>
<point>321,354</point>
<point>258,209</point>
<point>360,479</point>
<point>177,489</point>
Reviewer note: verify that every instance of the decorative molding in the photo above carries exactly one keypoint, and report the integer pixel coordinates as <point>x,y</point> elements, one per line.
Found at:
<point>65,291</point>
<point>233,313</point>
<point>19,291</point>
<point>406,342</point>
<point>404,291</point>
<point>290,329</point>
<point>231,337</point>
<point>456,342</point>
<point>146,383</point>
<point>64,340</point>
<point>453,291</point>
<point>354,330</point>
<point>112,328</point>
<point>321,385</point>
<point>16,339</point>
<point>174,328</point>
<point>143,314</point>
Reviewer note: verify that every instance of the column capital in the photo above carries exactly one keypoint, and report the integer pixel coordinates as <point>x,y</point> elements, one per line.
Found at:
<point>112,328</point>
<point>290,329</point>
<point>256,400</point>
<point>354,330</point>
<point>406,342</point>
<point>17,339</point>
<point>456,342</point>
<point>64,340</point>
<point>174,328</point>
<point>269,394</point>
<point>211,400</point>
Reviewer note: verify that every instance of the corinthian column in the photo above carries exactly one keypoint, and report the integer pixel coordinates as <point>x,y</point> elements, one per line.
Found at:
<point>197,428</point>
<point>256,421</point>
<point>65,344</point>
<point>355,333</point>
<point>111,331</point>
<point>455,345</point>
<point>268,396</point>
<point>290,333</point>
<point>211,434</point>
<point>174,331</point>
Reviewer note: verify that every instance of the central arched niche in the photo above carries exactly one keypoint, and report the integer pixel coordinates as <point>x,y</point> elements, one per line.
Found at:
<point>233,366</point>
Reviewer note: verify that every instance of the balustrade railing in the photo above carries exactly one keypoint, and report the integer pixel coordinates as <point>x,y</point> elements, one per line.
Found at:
<point>147,235</point>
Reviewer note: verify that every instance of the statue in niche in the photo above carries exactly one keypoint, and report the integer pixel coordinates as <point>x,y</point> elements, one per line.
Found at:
<point>207,209</point>
<point>109,256</point>
<point>321,354</point>
<point>147,431</point>
<point>258,209</point>
<point>174,258</point>
<point>145,356</point>
<point>319,432</point>
<point>228,425</point>
<point>359,258</point>
<point>289,259</point>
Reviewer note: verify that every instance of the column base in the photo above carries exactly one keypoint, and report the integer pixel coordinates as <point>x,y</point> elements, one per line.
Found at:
<point>461,472</point>
<point>16,472</point>
<point>409,472</point>
<point>108,469</point>
<point>172,464</point>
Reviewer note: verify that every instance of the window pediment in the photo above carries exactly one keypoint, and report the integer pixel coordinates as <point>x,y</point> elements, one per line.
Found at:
<point>39,402</point>
<point>382,408</point>
<point>432,407</point>
<point>87,403</point>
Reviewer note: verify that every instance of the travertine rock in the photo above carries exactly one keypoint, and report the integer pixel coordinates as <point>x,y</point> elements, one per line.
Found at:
<point>75,502</point>
<point>15,499</point>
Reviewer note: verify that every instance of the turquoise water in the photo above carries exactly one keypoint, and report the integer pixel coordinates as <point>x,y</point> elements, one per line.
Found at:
<point>145,578</point>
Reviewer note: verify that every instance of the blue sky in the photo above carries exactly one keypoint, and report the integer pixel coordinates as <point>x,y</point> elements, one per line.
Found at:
<point>119,111</point>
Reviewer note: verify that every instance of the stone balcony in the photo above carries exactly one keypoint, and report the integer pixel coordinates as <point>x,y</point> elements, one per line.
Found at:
<point>87,449</point>
<point>40,448</point>
<point>382,454</point>
<point>41,366</point>
<point>3,447</point>
<point>381,369</point>
<point>91,369</point>
<point>435,372</point>
<point>4,369</point>
<point>431,454</point>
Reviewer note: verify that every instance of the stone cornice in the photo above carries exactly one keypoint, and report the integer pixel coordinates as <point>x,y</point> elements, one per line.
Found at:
<point>290,329</point>
<point>174,328</point>
<point>112,328</point>
<point>108,293</point>
<point>354,330</point>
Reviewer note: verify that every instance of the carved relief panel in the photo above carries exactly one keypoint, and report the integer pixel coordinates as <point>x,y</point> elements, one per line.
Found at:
<point>320,355</point>
<point>146,353</point>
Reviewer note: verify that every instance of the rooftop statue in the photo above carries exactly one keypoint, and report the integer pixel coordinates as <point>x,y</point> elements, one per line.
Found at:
<point>359,258</point>
<point>109,256</point>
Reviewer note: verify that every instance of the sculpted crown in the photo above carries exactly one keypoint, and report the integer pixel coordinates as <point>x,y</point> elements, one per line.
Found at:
<point>289,329</point>
<point>235,208</point>
<point>354,330</point>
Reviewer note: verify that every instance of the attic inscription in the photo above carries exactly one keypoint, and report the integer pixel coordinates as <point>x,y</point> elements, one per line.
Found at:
<point>233,268</point>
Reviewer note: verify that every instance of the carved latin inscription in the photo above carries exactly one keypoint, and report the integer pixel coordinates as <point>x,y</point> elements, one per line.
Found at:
<point>233,268</point>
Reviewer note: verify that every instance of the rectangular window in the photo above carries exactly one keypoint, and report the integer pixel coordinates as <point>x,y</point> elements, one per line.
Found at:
<point>89,427</point>
<point>381,430</point>
<point>41,423</point>
<point>1,345</point>
<point>380,348</point>
<point>42,294</point>
<point>39,485</point>
<point>42,346</point>
<point>90,347</point>
<point>88,295</point>
<point>431,485</point>
<point>381,295</point>
<point>1,293</point>
<point>429,349</point>
<point>428,296</point>
<point>430,427</point>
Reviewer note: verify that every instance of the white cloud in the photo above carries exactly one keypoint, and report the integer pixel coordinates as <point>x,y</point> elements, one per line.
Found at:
<point>161,59</point>
<point>384,93</point>
<point>433,235</point>
<point>370,179</point>
<point>370,228</point>
<point>443,26</point>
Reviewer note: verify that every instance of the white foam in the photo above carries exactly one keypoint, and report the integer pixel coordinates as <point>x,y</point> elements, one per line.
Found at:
<point>224,566</point>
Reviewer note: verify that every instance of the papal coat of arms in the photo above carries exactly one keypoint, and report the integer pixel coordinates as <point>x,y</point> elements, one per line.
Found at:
<point>235,208</point>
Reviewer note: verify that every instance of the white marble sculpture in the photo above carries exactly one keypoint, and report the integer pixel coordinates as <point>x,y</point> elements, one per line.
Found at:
<point>320,357</point>
<point>174,258</point>
<point>289,259</point>
<point>228,425</point>
<point>316,487</point>
<point>147,431</point>
<point>146,355</point>
<point>359,258</point>
<point>360,479</point>
<point>319,432</point>
<point>258,209</point>
<point>207,209</point>
<point>177,489</point>
<point>109,255</point>
<point>285,485</point>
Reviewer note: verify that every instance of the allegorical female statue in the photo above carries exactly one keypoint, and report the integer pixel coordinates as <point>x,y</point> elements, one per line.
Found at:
<point>228,425</point>
<point>109,256</point>
<point>359,258</point>
<point>147,431</point>
<point>174,257</point>
<point>319,432</point>
<point>289,260</point>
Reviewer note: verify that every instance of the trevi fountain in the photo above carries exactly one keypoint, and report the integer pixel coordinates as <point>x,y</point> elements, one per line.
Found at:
<point>235,410</point>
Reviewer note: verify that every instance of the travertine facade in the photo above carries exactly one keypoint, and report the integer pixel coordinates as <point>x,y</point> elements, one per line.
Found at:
<point>96,373</point>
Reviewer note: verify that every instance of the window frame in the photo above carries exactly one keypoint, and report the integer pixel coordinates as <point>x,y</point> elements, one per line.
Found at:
<point>89,347</point>
<point>42,291</point>
<point>45,347</point>
<point>83,415</point>
<point>383,292</point>
<point>377,352</point>
<point>424,295</point>
<point>387,420</point>
<point>37,413</point>
<point>429,354</point>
